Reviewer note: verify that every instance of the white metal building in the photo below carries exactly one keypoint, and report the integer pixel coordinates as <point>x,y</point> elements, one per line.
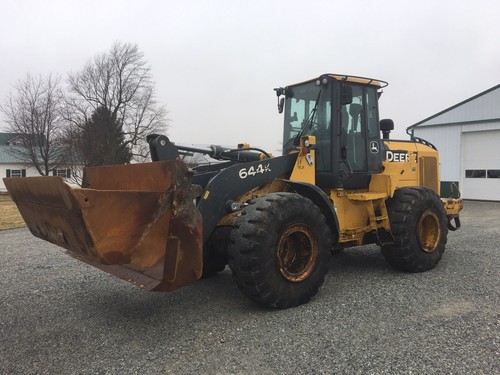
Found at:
<point>11,166</point>
<point>467,136</point>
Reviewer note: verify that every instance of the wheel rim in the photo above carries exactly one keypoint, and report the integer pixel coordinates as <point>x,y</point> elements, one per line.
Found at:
<point>296,252</point>
<point>429,231</point>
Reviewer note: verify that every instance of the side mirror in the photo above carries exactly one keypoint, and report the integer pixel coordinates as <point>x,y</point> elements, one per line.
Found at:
<point>345,95</point>
<point>386,125</point>
<point>281,104</point>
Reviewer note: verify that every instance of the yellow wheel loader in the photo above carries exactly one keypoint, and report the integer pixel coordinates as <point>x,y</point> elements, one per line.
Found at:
<point>274,220</point>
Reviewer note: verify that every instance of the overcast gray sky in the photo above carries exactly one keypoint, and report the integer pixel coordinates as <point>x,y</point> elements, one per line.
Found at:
<point>215,63</point>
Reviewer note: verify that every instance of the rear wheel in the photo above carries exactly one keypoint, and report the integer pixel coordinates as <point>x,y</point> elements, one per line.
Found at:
<point>279,250</point>
<point>418,223</point>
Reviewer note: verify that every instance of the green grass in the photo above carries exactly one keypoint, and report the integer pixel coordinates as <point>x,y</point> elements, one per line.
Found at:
<point>10,217</point>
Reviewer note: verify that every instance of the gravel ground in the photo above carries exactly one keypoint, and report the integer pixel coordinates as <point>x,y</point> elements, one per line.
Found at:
<point>58,315</point>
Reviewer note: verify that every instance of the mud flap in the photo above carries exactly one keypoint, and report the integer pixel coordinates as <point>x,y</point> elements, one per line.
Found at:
<point>137,222</point>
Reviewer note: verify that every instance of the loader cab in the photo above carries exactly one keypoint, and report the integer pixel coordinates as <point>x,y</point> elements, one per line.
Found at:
<point>342,113</point>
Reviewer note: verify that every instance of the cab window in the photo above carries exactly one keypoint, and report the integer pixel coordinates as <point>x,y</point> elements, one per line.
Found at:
<point>308,111</point>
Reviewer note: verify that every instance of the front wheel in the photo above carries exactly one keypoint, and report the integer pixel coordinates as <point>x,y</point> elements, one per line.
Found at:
<point>279,250</point>
<point>419,225</point>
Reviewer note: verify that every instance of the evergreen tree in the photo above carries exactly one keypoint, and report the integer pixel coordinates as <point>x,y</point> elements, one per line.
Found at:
<point>102,140</point>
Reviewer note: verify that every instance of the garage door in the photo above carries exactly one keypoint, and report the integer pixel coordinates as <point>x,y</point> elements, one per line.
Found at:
<point>481,165</point>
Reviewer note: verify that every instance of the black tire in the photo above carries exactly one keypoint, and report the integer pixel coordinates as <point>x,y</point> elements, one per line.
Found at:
<point>419,225</point>
<point>280,250</point>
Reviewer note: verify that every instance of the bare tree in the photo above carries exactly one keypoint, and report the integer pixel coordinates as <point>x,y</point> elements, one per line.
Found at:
<point>32,112</point>
<point>120,82</point>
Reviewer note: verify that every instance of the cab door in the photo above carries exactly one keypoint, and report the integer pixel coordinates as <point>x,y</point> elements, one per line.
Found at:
<point>361,149</point>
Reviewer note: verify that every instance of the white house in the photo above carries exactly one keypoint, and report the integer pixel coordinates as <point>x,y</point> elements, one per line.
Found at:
<point>11,166</point>
<point>467,136</point>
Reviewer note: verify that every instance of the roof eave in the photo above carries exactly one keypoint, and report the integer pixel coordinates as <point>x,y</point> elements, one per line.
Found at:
<point>452,107</point>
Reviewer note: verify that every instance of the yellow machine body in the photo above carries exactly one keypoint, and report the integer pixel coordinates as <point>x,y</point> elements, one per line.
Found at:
<point>364,211</point>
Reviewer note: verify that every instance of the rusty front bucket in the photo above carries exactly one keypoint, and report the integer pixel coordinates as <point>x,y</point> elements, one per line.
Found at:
<point>137,222</point>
